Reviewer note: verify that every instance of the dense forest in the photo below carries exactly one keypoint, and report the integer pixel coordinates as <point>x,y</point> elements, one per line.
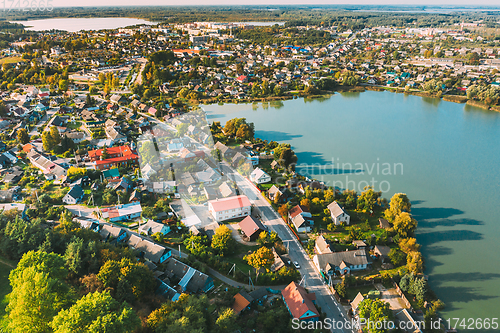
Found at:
<point>353,16</point>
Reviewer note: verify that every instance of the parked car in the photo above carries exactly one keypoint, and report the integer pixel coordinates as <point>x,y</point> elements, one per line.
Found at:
<point>296,264</point>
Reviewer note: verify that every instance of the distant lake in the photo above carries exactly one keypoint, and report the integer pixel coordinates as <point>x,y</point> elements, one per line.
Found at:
<point>79,24</point>
<point>445,156</point>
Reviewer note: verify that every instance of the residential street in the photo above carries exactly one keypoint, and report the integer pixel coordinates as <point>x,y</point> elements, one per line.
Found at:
<point>313,281</point>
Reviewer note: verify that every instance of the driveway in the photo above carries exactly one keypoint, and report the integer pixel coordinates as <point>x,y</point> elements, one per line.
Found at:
<point>390,296</point>
<point>237,236</point>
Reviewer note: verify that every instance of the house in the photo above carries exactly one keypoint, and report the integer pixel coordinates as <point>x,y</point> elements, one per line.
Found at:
<point>189,279</point>
<point>300,303</point>
<point>152,252</point>
<point>76,137</point>
<point>135,196</point>
<point>382,252</point>
<point>228,208</point>
<point>50,169</point>
<point>359,244</point>
<point>408,324</point>
<point>88,223</point>
<point>207,176</point>
<point>251,228</point>
<point>302,224</point>
<point>384,224</point>
<point>341,262</point>
<point>210,229</point>
<point>274,192</point>
<point>242,302</point>
<point>111,173</point>
<point>210,193</point>
<point>355,303</point>
<point>338,214</point>
<point>4,207</point>
<point>74,196</point>
<point>122,212</point>
<point>299,210</point>
<point>111,152</point>
<point>109,232</point>
<point>259,176</point>
<point>226,190</point>
<point>278,262</point>
<point>151,227</point>
<point>301,218</point>
<point>116,99</point>
<point>7,195</point>
<point>322,246</point>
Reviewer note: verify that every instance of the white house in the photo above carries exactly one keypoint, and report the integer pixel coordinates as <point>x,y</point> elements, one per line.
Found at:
<point>74,196</point>
<point>259,176</point>
<point>229,208</point>
<point>338,214</point>
<point>151,227</point>
<point>341,262</point>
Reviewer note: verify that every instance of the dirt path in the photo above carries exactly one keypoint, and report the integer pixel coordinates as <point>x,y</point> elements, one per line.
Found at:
<point>7,264</point>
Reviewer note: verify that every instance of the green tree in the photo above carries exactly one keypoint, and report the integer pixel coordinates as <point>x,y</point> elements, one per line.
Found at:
<point>405,224</point>
<point>23,136</point>
<point>341,289</point>
<point>368,199</point>
<point>226,322</point>
<point>397,256</point>
<point>415,262</point>
<point>375,311</point>
<point>197,245</point>
<point>96,312</point>
<point>222,241</point>
<point>54,134</point>
<point>47,141</point>
<point>408,245</point>
<point>130,280</point>
<point>38,292</point>
<point>262,258</point>
<point>76,173</point>
<point>63,85</point>
<point>188,314</point>
<point>399,203</point>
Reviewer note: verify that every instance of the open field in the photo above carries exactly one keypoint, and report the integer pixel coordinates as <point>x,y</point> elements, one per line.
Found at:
<point>10,60</point>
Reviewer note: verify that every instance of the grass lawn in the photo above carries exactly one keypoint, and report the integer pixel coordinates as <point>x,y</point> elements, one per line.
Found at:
<point>10,60</point>
<point>5,267</point>
<point>74,125</point>
<point>352,292</point>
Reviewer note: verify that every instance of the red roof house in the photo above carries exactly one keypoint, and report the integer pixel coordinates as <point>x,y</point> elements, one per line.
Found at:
<point>299,303</point>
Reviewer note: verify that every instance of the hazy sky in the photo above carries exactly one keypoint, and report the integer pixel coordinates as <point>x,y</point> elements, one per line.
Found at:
<point>79,3</point>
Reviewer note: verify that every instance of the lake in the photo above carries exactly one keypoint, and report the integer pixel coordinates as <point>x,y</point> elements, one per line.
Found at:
<point>78,24</point>
<point>445,156</point>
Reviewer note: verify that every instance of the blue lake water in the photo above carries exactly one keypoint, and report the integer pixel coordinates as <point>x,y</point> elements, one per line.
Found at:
<point>445,156</point>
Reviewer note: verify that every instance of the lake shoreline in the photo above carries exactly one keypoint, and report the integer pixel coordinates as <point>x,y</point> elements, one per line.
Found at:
<point>341,89</point>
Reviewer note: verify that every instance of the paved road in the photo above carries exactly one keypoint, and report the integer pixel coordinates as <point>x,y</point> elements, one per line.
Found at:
<point>313,281</point>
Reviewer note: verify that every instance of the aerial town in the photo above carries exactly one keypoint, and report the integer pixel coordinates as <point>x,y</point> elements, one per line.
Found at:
<point>112,173</point>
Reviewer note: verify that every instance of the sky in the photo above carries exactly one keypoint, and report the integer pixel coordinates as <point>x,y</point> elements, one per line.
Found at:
<point>79,3</point>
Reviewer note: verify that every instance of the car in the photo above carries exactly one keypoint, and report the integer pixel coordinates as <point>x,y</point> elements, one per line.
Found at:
<point>296,264</point>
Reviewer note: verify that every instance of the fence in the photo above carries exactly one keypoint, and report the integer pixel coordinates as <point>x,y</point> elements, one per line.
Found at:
<point>405,300</point>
